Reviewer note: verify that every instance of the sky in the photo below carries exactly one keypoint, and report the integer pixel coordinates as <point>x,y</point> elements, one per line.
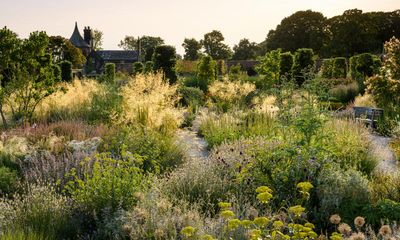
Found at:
<point>173,20</point>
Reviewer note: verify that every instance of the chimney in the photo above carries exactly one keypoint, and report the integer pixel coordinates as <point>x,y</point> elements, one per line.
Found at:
<point>88,36</point>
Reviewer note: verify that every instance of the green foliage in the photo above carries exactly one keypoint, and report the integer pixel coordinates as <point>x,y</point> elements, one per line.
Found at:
<point>363,66</point>
<point>62,49</point>
<point>269,68</point>
<point>303,63</point>
<point>137,68</point>
<point>148,67</point>
<point>147,45</point>
<point>159,153</point>
<point>221,68</point>
<point>245,50</point>
<point>286,65</point>
<point>164,59</point>
<point>385,86</point>
<point>8,180</point>
<point>57,73</point>
<point>109,72</point>
<point>66,71</point>
<point>192,49</point>
<point>214,46</point>
<point>344,93</point>
<point>327,68</point>
<point>191,96</point>
<point>107,183</point>
<point>206,72</point>
<point>234,71</point>
<point>339,68</point>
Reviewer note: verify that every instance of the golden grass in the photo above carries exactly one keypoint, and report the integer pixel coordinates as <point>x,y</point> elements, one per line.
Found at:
<point>150,100</point>
<point>365,100</point>
<point>230,91</point>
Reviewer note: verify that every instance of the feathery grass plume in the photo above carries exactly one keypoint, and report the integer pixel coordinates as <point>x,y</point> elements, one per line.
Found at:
<point>150,100</point>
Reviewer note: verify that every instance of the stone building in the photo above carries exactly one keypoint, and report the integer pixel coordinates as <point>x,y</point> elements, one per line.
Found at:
<point>96,60</point>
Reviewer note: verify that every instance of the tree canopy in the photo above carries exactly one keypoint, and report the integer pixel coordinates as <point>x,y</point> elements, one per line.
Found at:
<point>147,45</point>
<point>245,50</point>
<point>192,49</point>
<point>214,45</point>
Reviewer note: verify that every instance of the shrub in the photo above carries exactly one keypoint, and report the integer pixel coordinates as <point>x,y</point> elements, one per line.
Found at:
<point>107,183</point>
<point>235,70</point>
<point>303,63</point>
<point>148,67</point>
<point>57,73</point>
<point>8,181</point>
<point>286,64</point>
<point>350,194</point>
<point>327,68</point>
<point>164,59</point>
<point>339,68</point>
<point>109,72</point>
<point>221,68</point>
<point>185,67</point>
<point>191,96</point>
<point>159,152</point>
<point>362,66</point>
<point>344,93</point>
<point>41,211</point>
<point>66,71</point>
<point>269,68</point>
<point>206,72</point>
<point>137,68</point>
<point>364,101</point>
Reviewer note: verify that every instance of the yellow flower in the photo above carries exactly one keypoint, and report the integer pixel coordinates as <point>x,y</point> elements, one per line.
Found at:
<point>336,236</point>
<point>310,225</point>
<point>207,237</point>
<point>246,223</point>
<point>304,186</point>
<point>263,189</point>
<point>227,214</point>
<point>233,224</point>
<point>255,234</point>
<point>278,224</point>
<point>264,197</point>
<point>188,231</point>
<point>224,205</point>
<point>261,221</point>
<point>297,210</point>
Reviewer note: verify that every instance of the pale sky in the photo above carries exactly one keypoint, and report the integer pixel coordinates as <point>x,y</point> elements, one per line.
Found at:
<point>173,20</point>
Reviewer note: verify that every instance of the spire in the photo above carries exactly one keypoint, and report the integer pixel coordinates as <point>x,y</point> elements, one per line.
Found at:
<point>76,38</point>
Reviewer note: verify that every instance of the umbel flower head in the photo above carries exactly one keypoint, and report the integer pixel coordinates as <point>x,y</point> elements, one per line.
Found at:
<point>297,210</point>
<point>359,221</point>
<point>335,219</point>
<point>344,229</point>
<point>385,231</point>
<point>264,194</point>
<point>357,236</point>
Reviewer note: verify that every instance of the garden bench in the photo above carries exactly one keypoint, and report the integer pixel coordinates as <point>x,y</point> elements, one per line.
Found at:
<point>368,115</point>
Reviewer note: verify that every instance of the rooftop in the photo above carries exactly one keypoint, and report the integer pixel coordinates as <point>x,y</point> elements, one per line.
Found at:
<point>76,38</point>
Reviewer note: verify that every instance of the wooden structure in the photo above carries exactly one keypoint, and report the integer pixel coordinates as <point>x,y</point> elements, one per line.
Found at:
<point>367,115</point>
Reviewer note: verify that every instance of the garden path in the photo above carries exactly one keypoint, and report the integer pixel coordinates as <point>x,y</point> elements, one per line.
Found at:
<point>195,146</point>
<point>381,149</point>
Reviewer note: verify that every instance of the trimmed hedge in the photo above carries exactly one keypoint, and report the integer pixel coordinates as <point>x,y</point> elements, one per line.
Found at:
<point>109,72</point>
<point>137,68</point>
<point>303,62</point>
<point>66,71</point>
<point>362,66</point>
<point>339,68</point>
<point>326,68</point>
<point>286,64</point>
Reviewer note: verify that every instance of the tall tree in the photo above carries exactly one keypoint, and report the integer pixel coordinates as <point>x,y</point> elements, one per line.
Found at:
<point>192,49</point>
<point>245,50</point>
<point>62,49</point>
<point>303,29</point>
<point>214,46</point>
<point>97,39</point>
<point>147,45</point>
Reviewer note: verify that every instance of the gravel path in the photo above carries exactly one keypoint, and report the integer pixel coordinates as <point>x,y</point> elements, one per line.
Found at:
<point>381,149</point>
<point>196,147</point>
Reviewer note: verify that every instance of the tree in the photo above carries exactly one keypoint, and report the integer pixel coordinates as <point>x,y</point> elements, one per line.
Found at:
<point>269,68</point>
<point>286,64</point>
<point>66,71</point>
<point>62,49</point>
<point>164,59</point>
<point>97,39</point>
<point>147,45</point>
<point>303,29</point>
<point>137,68</point>
<point>214,46</point>
<point>192,49</point>
<point>385,86</point>
<point>9,44</point>
<point>206,72</point>
<point>245,50</point>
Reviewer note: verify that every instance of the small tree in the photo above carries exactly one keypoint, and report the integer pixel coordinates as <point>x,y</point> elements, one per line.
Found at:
<point>110,72</point>
<point>339,69</point>
<point>385,87</point>
<point>57,72</point>
<point>137,68</point>
<point>164,59</point>
<point>66,71</point>
<point>269,68</point>
<point>148,67</point>
<point>221,67</point>
<point>286,64</point>
<point>206,72</point>
<point>326,68</point>
<point>303,62</point>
